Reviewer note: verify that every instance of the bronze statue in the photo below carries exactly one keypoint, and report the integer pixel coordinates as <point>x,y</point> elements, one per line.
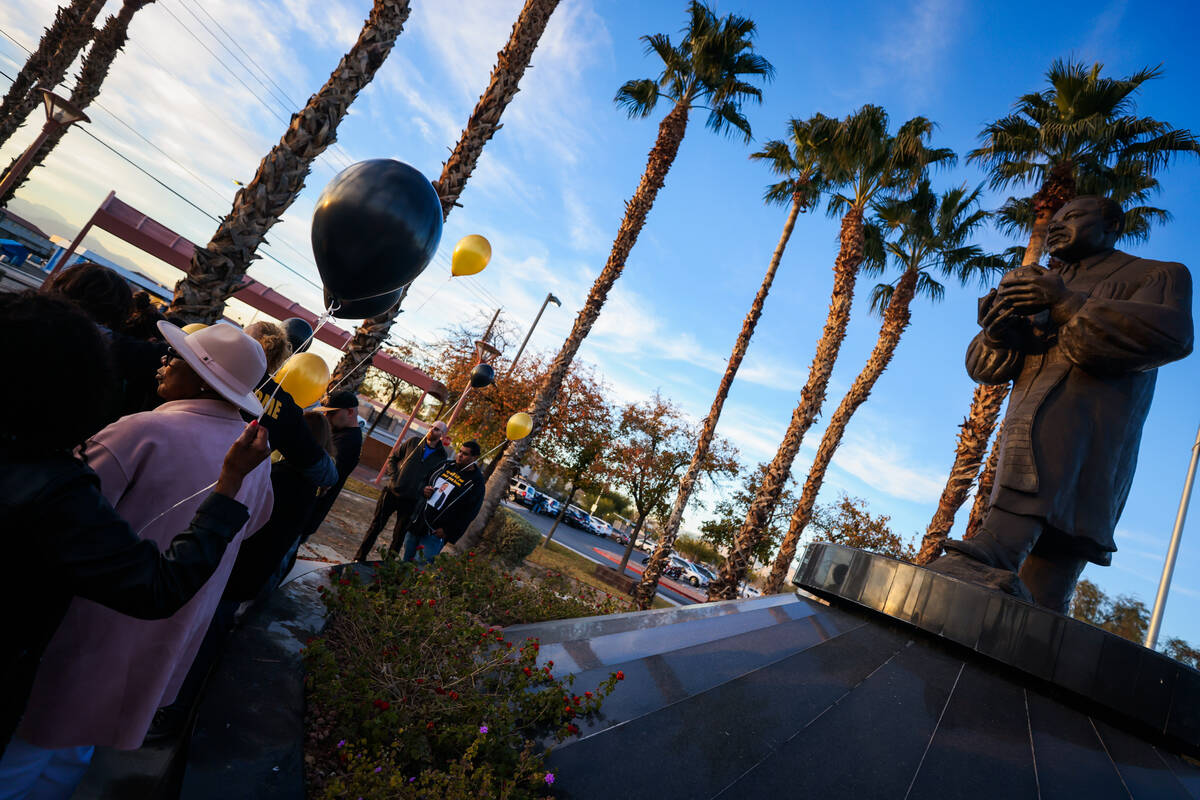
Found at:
<point>1081,341</point>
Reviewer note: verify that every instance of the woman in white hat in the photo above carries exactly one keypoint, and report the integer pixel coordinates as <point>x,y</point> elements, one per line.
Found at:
<point>105,674</point>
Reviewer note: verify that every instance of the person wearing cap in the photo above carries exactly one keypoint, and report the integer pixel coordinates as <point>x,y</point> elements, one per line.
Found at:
<point>56,524</point>
<point>103,675</point>
<point>341,409</point>
<point>408,470</point>
<point>453,497</point>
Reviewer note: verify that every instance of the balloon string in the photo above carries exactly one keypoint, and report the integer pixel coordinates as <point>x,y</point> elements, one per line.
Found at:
<point>371,354</point>
<point>172,508</point>
<point>435,291</point>
<point>321,320</point>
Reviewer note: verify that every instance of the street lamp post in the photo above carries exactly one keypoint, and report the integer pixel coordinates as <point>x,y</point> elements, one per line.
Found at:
<point>1164,584</point>
<point>550,298</point>
<point>60,113</point>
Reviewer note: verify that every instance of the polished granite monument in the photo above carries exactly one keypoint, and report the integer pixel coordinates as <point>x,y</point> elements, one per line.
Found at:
<point>878,679</point>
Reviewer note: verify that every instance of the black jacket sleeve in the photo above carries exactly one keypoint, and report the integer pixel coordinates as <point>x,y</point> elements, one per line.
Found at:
<point>101,558</point>
<point>286,428</point>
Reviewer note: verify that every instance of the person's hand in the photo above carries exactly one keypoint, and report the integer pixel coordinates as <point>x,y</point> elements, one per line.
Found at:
<point>427,491</point>
<point>440,533</point>
<point>1031,289</point>
<point>247,452</point>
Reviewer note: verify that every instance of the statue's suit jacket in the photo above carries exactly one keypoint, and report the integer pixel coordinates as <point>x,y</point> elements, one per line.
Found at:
<point>1081,393</point>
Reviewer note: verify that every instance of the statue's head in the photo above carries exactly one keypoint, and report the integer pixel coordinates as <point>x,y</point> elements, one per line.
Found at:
<point>1084,226</point>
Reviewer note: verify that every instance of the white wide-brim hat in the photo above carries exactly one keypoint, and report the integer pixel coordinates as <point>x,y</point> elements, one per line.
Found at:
<point>229,361</point>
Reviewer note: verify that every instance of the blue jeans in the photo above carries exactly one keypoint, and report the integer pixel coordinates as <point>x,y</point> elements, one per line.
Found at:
<point>426,546</point>
<point>37,773</point>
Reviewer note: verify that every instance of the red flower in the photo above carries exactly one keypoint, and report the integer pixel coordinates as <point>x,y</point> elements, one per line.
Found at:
<point>453,694</point>
<point>550,664</point>
<point>420,680</point>
<point>587,694</point>
<point>572,728</point>
<point>429,725</point>
<point>439,690</point>
<point>527,671</point>
<point>431,601</point>
<point>382,705</point>
<point>620,675</point>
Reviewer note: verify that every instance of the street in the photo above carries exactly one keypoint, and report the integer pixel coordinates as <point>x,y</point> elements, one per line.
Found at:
<point>605,551</point>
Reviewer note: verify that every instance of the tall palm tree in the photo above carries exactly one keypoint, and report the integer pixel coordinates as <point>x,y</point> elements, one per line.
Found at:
<point>862,163</point>
<point>986,479</point>
<point>933,235</point>
<point>47,65</point>
<point>96,63</point>
<point>708,69</point>
<point>798,161</point>
<point>1079,136</point>
<point>217,269</point>
<point>484,121</point>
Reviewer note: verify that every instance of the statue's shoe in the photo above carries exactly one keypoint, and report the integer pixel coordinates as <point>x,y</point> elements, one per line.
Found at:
<point>957,564</point>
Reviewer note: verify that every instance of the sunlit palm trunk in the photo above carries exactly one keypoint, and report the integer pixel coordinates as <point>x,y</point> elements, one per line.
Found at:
<point>217,269</point>
<point>484,121</point>
<point>670,135</point>
<point>94,70</point>
<point>968,458</point>
<point>845,273</point>
<point>644,593</point>
<point>895,320</point>
<point>48,64</point>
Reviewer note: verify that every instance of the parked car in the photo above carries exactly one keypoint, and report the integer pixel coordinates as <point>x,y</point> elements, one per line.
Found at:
<point>576,517</point>
<point>695,574</point>
<point>599,526</point>
<point>549,506</point>
<point>523,492</point>
<point>621,538</point>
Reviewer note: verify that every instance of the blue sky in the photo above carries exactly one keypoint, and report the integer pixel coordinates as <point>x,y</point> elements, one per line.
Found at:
<point>550,189</point>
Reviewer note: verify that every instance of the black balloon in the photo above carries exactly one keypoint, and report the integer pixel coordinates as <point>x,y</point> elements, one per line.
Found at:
<point>483,375</point>
<point>375,228</point>
<point>361,309</point>
<point>299,333</point>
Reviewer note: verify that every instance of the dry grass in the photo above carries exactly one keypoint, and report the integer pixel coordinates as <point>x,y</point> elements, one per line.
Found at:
<point>577,567</point>
<point>365,489</point>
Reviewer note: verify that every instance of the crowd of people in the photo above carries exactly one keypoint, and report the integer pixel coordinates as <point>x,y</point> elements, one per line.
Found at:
<point>137,496</point>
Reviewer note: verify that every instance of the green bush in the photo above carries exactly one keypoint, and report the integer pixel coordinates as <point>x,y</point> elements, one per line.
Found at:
<point>510,537</point>
<point>696,550</point>
<point>414,692</point>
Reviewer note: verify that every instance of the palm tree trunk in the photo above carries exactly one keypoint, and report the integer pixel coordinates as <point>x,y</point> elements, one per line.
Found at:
<point>812,397</point>
<point>94,70</point>
<point>983,493</point>
<point>644,593</point>
<point>666,146</point>
<point>217,270</point>
<point>895,320</point>
<point>47,65</point>
<point>511,63</point>
<point>968,458</point>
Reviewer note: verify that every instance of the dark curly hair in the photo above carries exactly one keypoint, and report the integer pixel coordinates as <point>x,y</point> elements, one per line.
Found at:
<point>50,345</point>
<point>142,323</point>
<point>99,291</point>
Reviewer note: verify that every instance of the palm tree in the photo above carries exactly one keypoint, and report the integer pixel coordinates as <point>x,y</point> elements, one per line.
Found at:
<point>798,161</point>
<point>1079,136</point>
<point>484,121</point>
<point>707,69</point>
<point>862,163</point>
<point>217,269</point>
<point>104,49</point>
<point>932,236</point>
<point>47,65</point>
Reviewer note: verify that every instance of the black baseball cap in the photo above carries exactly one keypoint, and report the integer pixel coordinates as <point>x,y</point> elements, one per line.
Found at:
<point>338,401</point>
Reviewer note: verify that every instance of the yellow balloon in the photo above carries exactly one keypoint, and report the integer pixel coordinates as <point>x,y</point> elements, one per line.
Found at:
<point>193,327</point>
<point>304,376</point>
<point>471,255</point>
<point>519,426</point>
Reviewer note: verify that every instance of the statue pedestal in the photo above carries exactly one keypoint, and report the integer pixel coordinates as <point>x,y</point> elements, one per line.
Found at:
<point>898,683</point>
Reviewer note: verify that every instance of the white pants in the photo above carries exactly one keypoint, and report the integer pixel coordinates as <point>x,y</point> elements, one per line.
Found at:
<point>37,773</point>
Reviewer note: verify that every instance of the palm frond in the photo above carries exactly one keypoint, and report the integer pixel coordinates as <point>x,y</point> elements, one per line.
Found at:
<point>880,297</point>
<point>637,97</point>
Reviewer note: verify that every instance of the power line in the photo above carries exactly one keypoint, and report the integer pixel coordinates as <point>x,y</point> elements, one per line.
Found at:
<point>291,103</point>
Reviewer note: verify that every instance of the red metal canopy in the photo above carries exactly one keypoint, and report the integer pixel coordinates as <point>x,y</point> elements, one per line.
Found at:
<point>127,223</point>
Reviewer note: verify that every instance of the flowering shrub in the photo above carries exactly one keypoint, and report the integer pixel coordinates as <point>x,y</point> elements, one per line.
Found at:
<point>414,691</point>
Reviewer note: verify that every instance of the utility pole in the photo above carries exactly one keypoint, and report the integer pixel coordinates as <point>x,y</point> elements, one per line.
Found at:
<point>1164,584</point>
<point>483,351</point>
<point>550,298</point>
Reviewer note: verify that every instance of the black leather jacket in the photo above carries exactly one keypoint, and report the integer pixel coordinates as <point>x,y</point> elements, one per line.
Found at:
<point>63,539</point>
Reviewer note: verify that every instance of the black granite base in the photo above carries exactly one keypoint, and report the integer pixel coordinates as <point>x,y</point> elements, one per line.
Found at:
<point>1156,694</point>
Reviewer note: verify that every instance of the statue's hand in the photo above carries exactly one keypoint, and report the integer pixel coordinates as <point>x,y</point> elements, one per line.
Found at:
<point>999,321</point>
<point>1031,289</point>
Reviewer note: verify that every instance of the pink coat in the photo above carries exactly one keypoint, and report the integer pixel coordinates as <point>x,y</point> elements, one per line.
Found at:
<point>105,674</point>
